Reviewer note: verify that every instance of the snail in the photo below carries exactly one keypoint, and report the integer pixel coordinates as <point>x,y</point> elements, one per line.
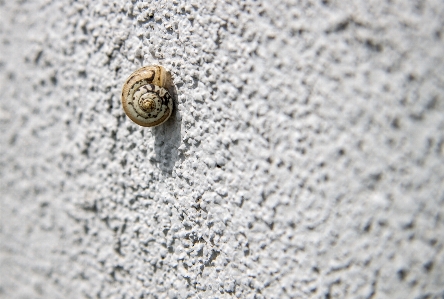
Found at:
<point>145,98</point>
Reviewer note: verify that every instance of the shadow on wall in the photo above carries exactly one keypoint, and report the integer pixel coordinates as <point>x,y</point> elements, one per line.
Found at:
<point>167,138</point>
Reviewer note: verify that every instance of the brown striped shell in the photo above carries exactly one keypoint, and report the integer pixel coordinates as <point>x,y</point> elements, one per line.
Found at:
<point>145,98</point>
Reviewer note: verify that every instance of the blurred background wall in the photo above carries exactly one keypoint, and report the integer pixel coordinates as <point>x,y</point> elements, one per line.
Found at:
<point>304,158</point>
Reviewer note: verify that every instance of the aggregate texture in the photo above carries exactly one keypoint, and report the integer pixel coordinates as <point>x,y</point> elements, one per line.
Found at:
<point>304,159</point>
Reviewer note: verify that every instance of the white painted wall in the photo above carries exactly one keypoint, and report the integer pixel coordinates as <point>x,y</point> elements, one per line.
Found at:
<point>304,159</point>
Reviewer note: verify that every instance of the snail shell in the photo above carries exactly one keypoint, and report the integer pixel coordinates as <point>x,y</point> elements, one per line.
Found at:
<point>145,98</point>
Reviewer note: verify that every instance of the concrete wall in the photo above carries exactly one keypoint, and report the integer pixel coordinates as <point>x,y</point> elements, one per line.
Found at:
<point>304,158</point>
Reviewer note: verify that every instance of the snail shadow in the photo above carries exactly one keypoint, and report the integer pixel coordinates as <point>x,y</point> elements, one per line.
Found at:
<point>168,137</point>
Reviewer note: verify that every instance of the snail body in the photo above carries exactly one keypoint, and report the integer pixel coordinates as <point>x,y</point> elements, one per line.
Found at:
<point>145,98</point>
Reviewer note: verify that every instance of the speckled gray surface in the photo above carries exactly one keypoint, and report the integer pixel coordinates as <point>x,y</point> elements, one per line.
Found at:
<point>304,158</point>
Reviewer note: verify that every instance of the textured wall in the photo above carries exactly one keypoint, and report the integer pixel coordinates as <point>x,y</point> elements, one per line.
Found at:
<point>304,158</point>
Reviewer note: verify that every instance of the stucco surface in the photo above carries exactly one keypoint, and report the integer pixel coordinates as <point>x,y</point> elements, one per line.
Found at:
<point>304,158</point>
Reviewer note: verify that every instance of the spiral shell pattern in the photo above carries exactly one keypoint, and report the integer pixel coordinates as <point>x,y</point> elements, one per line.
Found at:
<point>145,99</point>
